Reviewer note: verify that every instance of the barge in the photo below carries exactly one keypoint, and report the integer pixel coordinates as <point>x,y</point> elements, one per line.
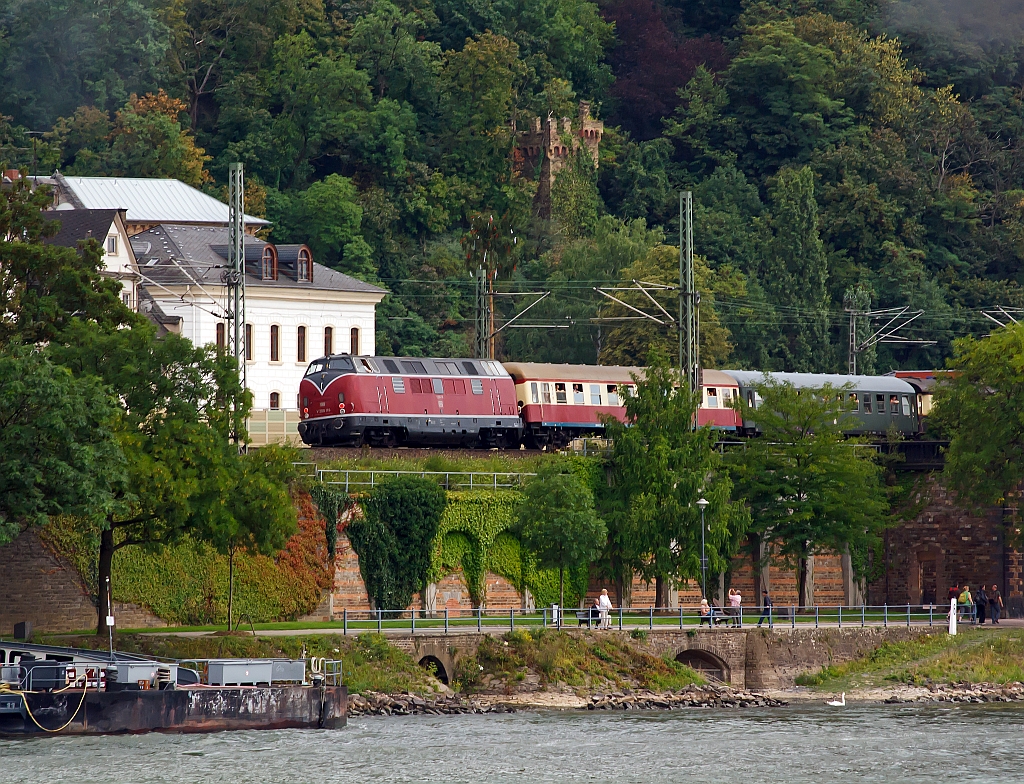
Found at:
<point>49,690</point>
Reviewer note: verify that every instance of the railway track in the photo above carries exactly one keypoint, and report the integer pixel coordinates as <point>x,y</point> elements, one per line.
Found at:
<point>318,454</point>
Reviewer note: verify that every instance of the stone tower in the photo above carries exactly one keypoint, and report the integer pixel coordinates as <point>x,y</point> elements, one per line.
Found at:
<point>546,146</point>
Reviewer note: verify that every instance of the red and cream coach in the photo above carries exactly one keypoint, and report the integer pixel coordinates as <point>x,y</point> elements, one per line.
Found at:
<point>394,401</point>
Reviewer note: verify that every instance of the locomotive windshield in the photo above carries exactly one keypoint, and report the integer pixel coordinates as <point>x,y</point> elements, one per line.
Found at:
<point>343,364</point>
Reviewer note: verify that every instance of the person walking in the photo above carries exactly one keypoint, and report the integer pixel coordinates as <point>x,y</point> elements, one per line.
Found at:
<point>965,600</point>
<point>605,605</point>
<point>766,608</point>
<point>995,604</point>
<point>980,604</point>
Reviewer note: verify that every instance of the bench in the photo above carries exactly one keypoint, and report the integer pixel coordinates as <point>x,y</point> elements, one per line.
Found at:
<point>588,617</point>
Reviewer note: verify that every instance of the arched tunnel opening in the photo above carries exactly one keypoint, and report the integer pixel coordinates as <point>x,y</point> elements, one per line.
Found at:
<point>706,664</point>
<point>435,667</point>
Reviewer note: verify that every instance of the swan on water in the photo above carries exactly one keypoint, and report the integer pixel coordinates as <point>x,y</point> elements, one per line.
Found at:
<point>840,703</point>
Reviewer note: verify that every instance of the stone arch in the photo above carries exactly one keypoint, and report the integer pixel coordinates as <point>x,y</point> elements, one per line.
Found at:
<point>440,671</point>
<point>707,663</point>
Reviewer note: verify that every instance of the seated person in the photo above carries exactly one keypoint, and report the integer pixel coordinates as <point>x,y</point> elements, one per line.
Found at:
<point>706,613</point>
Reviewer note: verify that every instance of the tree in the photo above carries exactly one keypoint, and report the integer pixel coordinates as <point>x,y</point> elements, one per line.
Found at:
<point>58,454</point>
<point>979,407</point>
<point>557,521</point>
<point>256,513</point>
<point>45,288</point>
<point>808,488</point>
<point>662,465</point>
<point>394,537</point>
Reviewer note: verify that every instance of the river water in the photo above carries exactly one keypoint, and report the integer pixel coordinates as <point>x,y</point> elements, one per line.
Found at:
<point>871,743</point>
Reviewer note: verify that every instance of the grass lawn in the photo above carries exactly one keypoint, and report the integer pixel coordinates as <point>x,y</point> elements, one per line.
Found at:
<point>973,655</point>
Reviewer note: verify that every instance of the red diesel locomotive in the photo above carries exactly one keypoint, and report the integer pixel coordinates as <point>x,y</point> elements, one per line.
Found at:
<point>414,401</point>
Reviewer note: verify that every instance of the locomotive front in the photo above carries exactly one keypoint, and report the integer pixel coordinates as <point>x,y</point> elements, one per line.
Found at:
<point>328,391</point>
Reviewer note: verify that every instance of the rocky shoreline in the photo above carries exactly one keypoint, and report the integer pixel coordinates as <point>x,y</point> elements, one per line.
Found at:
<point>377,704</point>
<point>962,693</point>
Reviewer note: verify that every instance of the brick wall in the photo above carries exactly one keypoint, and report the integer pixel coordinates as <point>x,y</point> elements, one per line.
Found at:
<point>35,586</point>
<point>945,544</point>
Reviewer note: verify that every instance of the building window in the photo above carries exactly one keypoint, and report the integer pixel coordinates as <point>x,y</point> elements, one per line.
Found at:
<point>248,342</point>
<point>300,348</point>
<point>305,265</point>
<point>126,298</point>
<point>222,341</point>
<point>354,344</point>
<point>275,400</point>
<point>275,343</point>
<point>328,341</point>
<point>269,263</point>
<point>112,245</point>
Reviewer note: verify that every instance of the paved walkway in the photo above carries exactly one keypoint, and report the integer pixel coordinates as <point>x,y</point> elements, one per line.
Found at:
<point>490,628</point>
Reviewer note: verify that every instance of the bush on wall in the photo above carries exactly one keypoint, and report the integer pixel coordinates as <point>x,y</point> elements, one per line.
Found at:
<point>394,538</point>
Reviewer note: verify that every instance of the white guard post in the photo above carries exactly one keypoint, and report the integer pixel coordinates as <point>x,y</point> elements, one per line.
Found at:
<point>952,616</point>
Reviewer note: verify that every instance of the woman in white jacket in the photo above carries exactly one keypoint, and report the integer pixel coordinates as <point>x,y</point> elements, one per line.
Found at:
<point>605,605</point>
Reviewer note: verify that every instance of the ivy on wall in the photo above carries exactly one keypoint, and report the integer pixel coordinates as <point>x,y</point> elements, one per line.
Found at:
<point>331,502</point>
<point>476,535</point>
<point>187,583</point>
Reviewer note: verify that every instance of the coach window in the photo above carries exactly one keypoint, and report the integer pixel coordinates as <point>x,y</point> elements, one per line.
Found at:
<point>438,385</point>
<point>560,396</point>
<point>854,402</point>
<point>894,404</point>
<point>221,336</point>
<point>248,343</point>
<point>534,394</point>
<point>354,341</point>
<point>880,404</point>
<point>328,341</point>
<point>300,344</point>
<point>577,394</point>
<point>867,404</point>
<point>613,395</point>
<point>545,392</point>
<point>275,343</point>
<point>275,400</point>
<point>712,397</point>
<point>595,394</point>
<point>906,406</point>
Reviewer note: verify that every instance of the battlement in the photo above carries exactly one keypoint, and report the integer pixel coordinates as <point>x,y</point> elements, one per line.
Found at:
<point>545,146</point>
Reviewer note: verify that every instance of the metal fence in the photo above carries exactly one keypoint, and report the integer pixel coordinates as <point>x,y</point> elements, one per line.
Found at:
<point>357,479</point>
<point>447,620</point>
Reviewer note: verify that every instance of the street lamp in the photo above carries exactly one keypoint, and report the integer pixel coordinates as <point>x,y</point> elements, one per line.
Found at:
<point>703,504</point>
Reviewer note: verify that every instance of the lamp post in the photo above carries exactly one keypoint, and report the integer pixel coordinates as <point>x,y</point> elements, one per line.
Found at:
<point>703,504</point>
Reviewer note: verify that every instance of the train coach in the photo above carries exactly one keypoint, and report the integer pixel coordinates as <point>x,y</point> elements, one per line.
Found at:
<point>558,403</point>
<point>875,403</point>
<point>415,401</point>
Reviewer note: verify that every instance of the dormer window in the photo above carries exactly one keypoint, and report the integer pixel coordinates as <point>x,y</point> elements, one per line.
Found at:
<point>269,263</point>
<point>304,270</point>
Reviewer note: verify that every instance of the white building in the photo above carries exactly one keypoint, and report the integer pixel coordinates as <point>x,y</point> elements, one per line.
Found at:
<point>107,227</point>
<point>170,250</point>
<point>296,310</point>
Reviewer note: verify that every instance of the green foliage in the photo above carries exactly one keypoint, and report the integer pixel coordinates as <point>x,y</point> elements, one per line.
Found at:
<point>73,462</point>
<point>662,466</point>
<point>975,407</point>
<point>578,661</point>
<point>800,478</point>
<point>393,538</point>
<point>557,521</point>
<point>330,502</point>
<point>186,583</point>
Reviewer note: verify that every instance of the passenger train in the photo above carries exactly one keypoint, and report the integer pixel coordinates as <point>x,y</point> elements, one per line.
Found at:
<point>414,401</point>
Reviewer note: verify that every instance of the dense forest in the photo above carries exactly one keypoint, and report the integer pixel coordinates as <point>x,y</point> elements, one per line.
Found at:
<point>843,154</point>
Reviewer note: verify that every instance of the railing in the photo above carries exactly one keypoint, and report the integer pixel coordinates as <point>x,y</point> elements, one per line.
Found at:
<point>449,480</point>
<point>446,620</point>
